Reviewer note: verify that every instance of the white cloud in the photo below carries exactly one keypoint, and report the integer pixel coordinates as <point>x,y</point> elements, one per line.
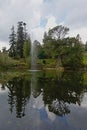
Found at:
<point>72,13</point>
<point>37,33</point>
<point>50,23</point>
<point>83,33</point>
<point>38,102</point>
<point>4,44</point>
<point>51,115</point>
<point>35,20</point>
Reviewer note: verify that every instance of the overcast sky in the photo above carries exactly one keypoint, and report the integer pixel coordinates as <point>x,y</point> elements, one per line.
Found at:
<point>40,15</point>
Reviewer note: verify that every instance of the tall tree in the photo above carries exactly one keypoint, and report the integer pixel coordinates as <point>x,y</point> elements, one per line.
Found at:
<point>26,48</point>
<point>72,53</point>
<point>58,32</point>
<point>21,37</point>
<point>53,41</point>
<point>12,43</point>
<point>25,32</point>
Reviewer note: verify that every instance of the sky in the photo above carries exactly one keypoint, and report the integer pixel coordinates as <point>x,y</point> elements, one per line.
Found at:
<point>42,15</point>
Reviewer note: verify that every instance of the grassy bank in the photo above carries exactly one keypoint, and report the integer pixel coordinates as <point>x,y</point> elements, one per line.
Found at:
<point>54,63</point>
<point>7,63</point>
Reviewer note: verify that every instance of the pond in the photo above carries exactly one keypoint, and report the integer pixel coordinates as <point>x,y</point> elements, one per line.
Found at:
<point>44,100</point>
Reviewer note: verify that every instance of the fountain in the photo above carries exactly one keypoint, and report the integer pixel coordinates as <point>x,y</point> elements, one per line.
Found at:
<point>34,56</point>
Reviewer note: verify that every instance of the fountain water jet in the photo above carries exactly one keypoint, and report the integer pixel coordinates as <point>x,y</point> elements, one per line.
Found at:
<point>33,57</point>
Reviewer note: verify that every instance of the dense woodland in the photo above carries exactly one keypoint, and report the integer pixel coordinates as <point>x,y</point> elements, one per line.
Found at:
<point>57,49</point>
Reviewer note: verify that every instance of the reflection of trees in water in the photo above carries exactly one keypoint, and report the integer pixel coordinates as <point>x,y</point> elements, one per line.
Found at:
<point>58,90</point>
<point>59,107</point>
<point>2,87</point>
<point>18,95</point>
<point>58,93</point>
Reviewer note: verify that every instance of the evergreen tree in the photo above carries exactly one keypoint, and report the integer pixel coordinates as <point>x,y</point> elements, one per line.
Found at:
<point>21,37</point>
<point>12,43</point>
<point>25,32</point>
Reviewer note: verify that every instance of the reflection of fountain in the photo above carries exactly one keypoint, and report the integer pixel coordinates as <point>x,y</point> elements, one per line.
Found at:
<point>33,83</point>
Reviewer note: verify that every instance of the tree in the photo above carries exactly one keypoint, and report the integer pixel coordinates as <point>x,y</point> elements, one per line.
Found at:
<point>86,46</point>
<point>48,46</point>
<point>21,37</point>
<point>53,41</point>
<point>26,51</point>
<point>25,32</point>
<point>67,50</point>
<point>38,49</point>
<point>72,54</point>
<point>17,40</point>
<point>26,48</point>
<point>58,32</point>
<point>12,43</point>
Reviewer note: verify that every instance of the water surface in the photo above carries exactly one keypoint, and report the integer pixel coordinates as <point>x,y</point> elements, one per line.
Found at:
<point>46,100</point>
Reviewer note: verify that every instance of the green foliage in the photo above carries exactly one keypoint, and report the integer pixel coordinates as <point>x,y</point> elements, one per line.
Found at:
<point>41,54</point>
<point>69,51</point>
<point>73,54</point>
<point>12,43</point>
<point>26,51</point>
<point>20,39</point>
<point>58,32</point>
<point>85,58</point>
<point>86,46</point>
<point>53,41</point>
<point>39,50</point>
<point>48,49</point>
<point>5,61</point>
<point>48,63</point>
<point>26,48</point>
<point>17,40</point>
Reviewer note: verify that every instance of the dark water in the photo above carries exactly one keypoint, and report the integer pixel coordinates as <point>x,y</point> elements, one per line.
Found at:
<point>44,101</point>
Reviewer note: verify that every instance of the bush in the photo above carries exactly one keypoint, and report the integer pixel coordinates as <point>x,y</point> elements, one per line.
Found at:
<point>5,61</point>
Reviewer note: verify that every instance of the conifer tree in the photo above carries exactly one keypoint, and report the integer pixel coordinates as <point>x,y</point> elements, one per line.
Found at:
<point>20,39</point>
<point>12,43</point>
